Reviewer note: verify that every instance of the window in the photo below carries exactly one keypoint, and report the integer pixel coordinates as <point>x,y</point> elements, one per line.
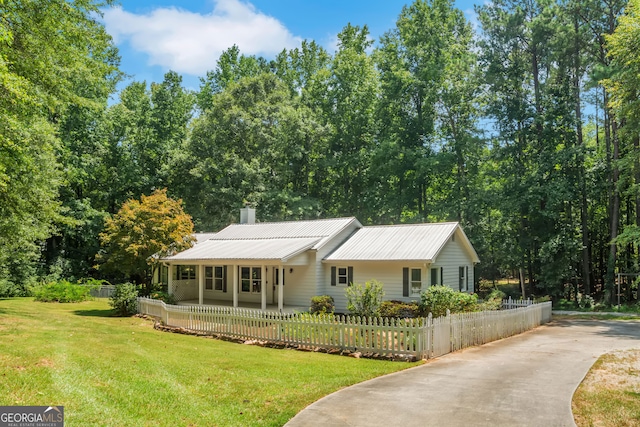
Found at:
<point>164,274</point>
<point>186,272</point>
<point>208,278</point>
<point>341,276</point>
<point>434,277</point>
<point>251,279</point>
<point>416,281</point>
<point>411,282</point>
<point>461,280</point>
<point>219,278</point>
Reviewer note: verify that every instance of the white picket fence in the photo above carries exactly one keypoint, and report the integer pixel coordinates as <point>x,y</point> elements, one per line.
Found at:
<point>423,337</point>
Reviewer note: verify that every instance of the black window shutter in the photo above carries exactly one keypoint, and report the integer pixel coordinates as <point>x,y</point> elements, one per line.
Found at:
<point>333,276</point>
<point>350,276</point>
<point>224,279</point>
<point>405,282</point>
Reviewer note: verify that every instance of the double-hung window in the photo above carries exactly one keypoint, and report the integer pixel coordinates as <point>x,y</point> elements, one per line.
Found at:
<point>411,282</point>
<point>342,276</point>
<point>251,279</point>
<point>416,281</point>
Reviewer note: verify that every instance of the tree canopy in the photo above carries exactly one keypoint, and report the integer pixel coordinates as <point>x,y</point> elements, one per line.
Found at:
<point>524,129</point>
<point>142,232</point>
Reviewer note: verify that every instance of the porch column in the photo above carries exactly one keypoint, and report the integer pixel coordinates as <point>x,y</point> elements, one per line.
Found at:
<point>281,289</point>
<point>263,286</point>
<point>200,284</point>
<point>235,285</point>
<point>170,279</point>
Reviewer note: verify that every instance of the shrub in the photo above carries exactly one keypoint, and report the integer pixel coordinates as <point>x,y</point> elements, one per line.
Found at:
<point>586,302</point>
<point>322,304</point>
<point>364,300</point>
<point>493,301</point>
<point>9,289</point>
<point>163,296</point>
<point>438,299</point>
<point>124,299</point>
<point>399,309</point>
<point>62,291</point>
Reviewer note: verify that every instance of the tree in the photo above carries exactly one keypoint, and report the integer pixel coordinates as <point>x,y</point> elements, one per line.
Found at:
<point>54,54</point>
<point>142,232</point>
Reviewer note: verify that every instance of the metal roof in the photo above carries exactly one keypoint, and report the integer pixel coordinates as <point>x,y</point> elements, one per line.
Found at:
<point>203,237</point>
<point>411,242</point>
<point>250,249</point>
<point>322,230</point>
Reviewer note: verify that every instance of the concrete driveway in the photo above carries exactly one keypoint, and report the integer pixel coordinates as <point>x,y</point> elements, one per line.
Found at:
<point>526,380</point>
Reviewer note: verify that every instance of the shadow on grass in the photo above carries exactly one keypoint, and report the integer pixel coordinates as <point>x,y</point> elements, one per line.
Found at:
<point>95,313</point>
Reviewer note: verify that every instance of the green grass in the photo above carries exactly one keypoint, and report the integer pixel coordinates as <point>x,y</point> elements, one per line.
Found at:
<point>121,372</point>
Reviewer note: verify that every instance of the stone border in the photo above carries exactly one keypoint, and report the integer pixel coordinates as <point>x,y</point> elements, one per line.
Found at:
<point>158,325</point>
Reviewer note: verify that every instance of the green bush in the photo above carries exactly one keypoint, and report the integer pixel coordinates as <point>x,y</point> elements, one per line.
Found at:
<point>399,309</point>
<point>163,296</point>
<point>124,299</point>
<point>493,301</point>
<point>62,291</point>
<point>364,300</point>
<point>322,304</point>
<point>9,289</point>
<point>438,299</point>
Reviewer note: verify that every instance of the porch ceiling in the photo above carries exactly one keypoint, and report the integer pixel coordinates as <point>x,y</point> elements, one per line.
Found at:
<point>248,249</point>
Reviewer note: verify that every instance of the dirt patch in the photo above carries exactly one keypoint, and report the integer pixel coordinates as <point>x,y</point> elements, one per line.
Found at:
<point>614,371</point>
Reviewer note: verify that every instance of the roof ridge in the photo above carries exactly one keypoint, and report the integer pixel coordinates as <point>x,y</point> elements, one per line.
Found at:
<point>297,220</point>
<point>411,225</point>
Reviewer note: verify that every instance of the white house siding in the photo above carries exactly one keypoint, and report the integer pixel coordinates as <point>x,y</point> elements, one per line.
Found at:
<point>298,285</point>
<point>451,257</point>
<point>389,273</point>
<point>322,279</point>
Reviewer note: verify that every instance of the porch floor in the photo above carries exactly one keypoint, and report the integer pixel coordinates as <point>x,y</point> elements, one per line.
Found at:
<point>250,305</point>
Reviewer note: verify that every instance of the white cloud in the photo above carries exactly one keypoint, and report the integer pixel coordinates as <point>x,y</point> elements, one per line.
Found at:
<point>191,43</point>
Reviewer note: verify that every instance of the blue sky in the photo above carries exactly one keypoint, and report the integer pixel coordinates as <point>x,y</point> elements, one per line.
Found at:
<point>155,36</point>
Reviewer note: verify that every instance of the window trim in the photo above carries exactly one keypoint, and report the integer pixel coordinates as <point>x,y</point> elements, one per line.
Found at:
<point>412,291</point>
<point>335,275</point>
<point>255,283</point>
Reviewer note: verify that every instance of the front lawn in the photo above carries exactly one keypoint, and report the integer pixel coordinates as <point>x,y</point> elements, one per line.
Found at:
<point>120,371</point>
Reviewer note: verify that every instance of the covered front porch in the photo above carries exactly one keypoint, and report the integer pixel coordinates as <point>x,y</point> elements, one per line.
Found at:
<point>243,286</point>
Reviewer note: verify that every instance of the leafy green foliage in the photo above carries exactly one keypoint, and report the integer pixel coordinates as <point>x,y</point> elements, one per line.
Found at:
<point>365,300</point>
<point>53,55</point>
<point>399,309</point>
<point>64,291</point>
<point>438,299</point>
<point>144,231</point>
<point>124,299</point>
<point>322,304</point>
<point>163,296</point>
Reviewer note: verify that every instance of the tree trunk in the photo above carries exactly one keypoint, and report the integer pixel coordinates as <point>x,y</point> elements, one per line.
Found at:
<point>615,211</point>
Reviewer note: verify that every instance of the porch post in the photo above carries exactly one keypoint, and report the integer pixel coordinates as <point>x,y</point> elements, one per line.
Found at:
<point>235,285</point>
<point>280,289</point>
<point>200,284</point>
<point>263,287</point>
<point>170,279</point>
